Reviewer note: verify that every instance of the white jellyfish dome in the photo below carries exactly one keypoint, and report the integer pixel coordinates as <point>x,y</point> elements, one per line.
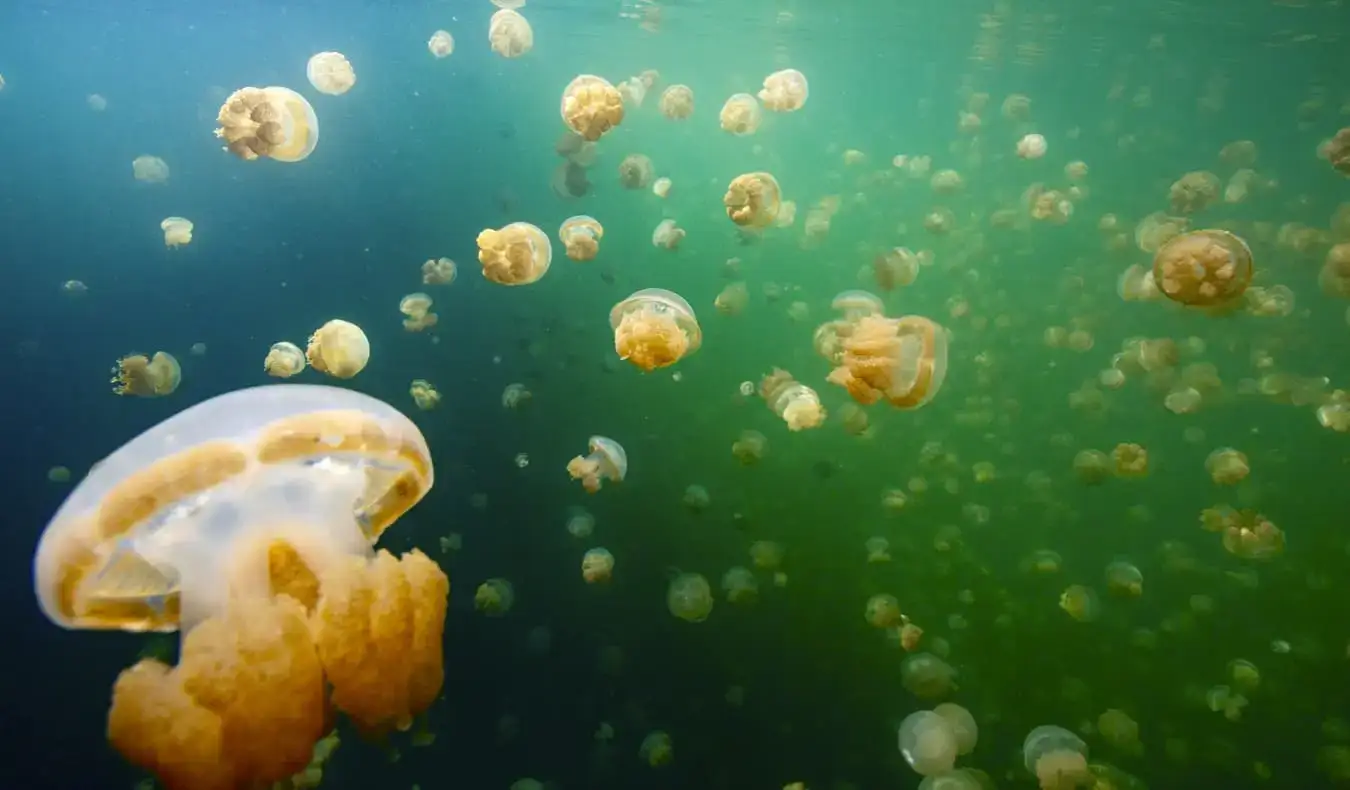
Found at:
<point>928,743</point>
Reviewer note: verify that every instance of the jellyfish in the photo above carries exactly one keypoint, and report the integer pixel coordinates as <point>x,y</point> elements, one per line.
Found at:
<point>926,676</point>
<point>689,597</point>
<point>150,169</point>
<point>766,554</point>
<point>607,461</point>
<point>1203,268</point>
<point>441,44</point>
<point>268,573</point>
<point>146,377</point>
<point>657,749</point>
<point>677,102</point>
<point>417,308</point>
<point>74,288</point>
<point>1043,561</point>
<point>696,498</point>
<point>878,550</point>
<point>494,597</point>
<point>1056,757</point>
<point>1334,276</point>
<point>661,187</point>
<point>580,523</point>
<point>510,34</point>
<point>928,743</point>
<point>518,254</point>
<point>2,82</point>
<point>1244,675</point>
<point>896,267</point>
<point>750,447</point>
<point>597,565</point>
<point>1227,466</point>
<point>883,611</point>
<point>276,123</point>
<point>740,586</point>
<point>177,231</point>
<point>581,237</point>
<point>1194,191</point>
<point>1251,536</point>
<point>1131,460</point>
<point>1080,603</point>
<point>338,348</point>
<point>330,73</point>
<point>784,91</point>
<point>1031,146</point>
<point>591,107</point>
<point>963,726</point>
<point>903,360</point>
<point>515,396</point>
<point>1124,579</point>
<point>1336,150</point>
<point>741,115</point>
<point>1092,467</point>
<point>1120,730</point>
<point>439,271</point>
<point>667,235</point>
<point>795,403</point>
<point>654,328</point>
<point>636,171</point>
<point>424,394</point>
<point>752,200</point>
<point>284,359</point>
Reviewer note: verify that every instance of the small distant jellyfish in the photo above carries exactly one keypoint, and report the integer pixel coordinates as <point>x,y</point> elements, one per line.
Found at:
<point>284,359</point>
<point>1080,603</point>
<point>1057,758</point>
<point>690,597</point>
<point>494,597</point>
<point>1092,467</point>
<point>740,586</point>
<point>510,34</point>
<point>784,91</point>
<point>274,123</point>
<point>58,474</point>
<point>667,235</point>
<point>597,566</point>
<point>74,288</point>
<point>766,554</point>
<point>661,187</point>
<point>1244,674</point>
<point>1124,579</point>
<point>580,523</point>
<point>1043,561</point>
<point>894,268</point>
<point>439,271</point>
<point>1016,107</point>
<point>1120,730</point>
<point>515,396</point>
<point>1227,466</point>
<point>424,394</point>
<point>878,550</point>
<point>657,749</point>
<point>1031,146</point>
<point>1194,191</point>
<point>1131,460</point>
<point>338,348</point>
<point>795,403</point>
<point>517,254</point>
<point>750,448</point>
<point>1251,536</point>
<point>963,726</point>
<point>177,231</point>
<point>330,73</point>
<point>416,308</point>
<point>753,199</point>
<point>654,328</point>
<point>677,102</point>
<point>883,611</point>
<point>926,676</point>
<point>1203,268</point>
<point>441,44</point>
<point>197,350</point>
<point>636,171</point>
<point>696,498</point>
<point>150,169</point>
<point>1336,150</point>
<point>581,236</point>
<point>741,115</point>
<point>96,102</point>
<point>591,107</point>
<point>606,461</point>
<point>146,377</point>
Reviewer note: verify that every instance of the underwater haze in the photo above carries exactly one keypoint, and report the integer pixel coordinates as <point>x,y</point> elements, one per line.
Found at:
<point>992,384</point>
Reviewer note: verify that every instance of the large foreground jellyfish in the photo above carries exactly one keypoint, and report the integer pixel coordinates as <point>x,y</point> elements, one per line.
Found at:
<point>903,360</point>
<point>581,237</point>
<point>741,115</point>
<point>518,254</point>
<point>784,91</point>
<point>591,106</point>
<point>274,122</point>
<point>247,522</point>
<point>654,328</point>
<point>753,199</point>
<point>338,348</point>
<point>1203,268</point>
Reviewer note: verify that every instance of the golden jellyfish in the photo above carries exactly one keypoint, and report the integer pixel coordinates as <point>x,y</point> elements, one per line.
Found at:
<point>654,328</point>
<point>963,726</point>
<point>284,359</point>
<point>1120,730</point>
<point>883,611</point>
<point>146,377</point>
<point>1203,268</point>
<point>441,44</point>
<point>510,34</point>
<point>1251,536</point>
<point>928,743</point>
<point>784,91</point>
<point>636,171</point>
<point>517,254</point>
<point>677,102</point>
<point>903,360</point>
<point>581,236</point>
<point>1136,284</point>
<point>439,271</point>
<point>606,461</point>
<point>424,394</point>
<point>753,199</point>
<point>741,115</point>
<point>515,396</point>
<point>740,586</point>
<point>878,550</point>
<point>1227,466</point>
<point>591,106</point>
<point>494,597</point>
<point>330,73</point>
<point>1194,192</point>
<point>690,597</point>
<point>946,182</point>
<point>597,566</point>
<point>732,299</point>
<point>177,231</point>
<point>657,749</point>
<point>1157,229</point>
<point>927,676</point>
<point>150,169</point>
<point>1338,151</point>
<point>855,304</point>
<point>1043,562</point>
<point>750,447</point>
<point>1076,170</point>
<point>854,420</point>
<point>766,554</point>
<point>1016,107</point>
<point>896,267</point>
<point>661,187</point>
<point>269,574</point>
<point>417,309</point>
<point>275,123</point>
<point>1031,146</point>
<point>1080,603</point>
<point>338,348</point>
<point>1092,467</point>
<point>1124,579</point>
<point>795,403</point>
<point>1334,277</point>
<point>632,92</point>
<point>667,235</point>
<point>1131,460</point>
<point>1244,674</point>
<point>1057,758</point>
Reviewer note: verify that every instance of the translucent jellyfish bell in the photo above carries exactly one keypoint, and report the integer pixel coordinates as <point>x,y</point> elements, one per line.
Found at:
<point>753,199</point>
<point>690,597</point>
<point>338,348</point>
<point>607,461</point>
<point>160,533</point>
<point>654,328</point>
<point>1203,268</point>
<point>677,102</point>
<point>784,91</point>
<point>926,676</point>
<point>177,231</point>
<point>591,106</point>
<point>903,360</point>
<point>330,73</point>
<point>1056,757</point>
<point>856,304</point>
<point>963,726</point>
<point>518,254</point>
<point>147,377</point>
<point>441,44</point>
<point>581,236</point>
<point>797,404</point>
<point>276,123</point>
<point>741,115</point>
<point>597,565</point>
<point>284,359</point>
<point>150,169</point>
<point>510,34</point>
<point>928,743</point>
